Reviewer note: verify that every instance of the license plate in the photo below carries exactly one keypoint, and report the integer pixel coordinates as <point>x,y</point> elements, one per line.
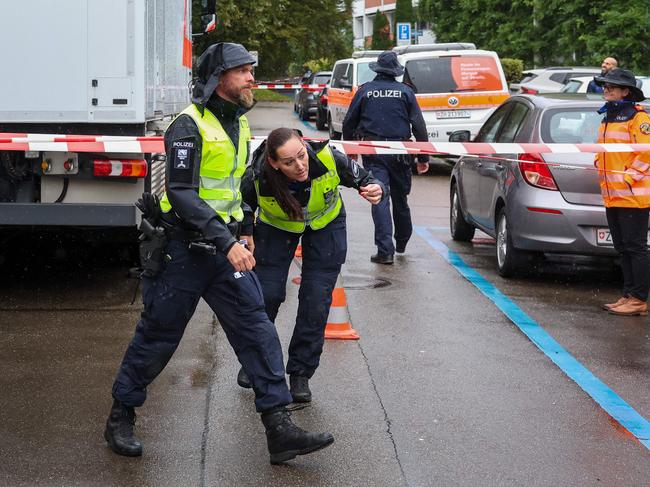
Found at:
<point>603,237</point>
<point>453,114</point>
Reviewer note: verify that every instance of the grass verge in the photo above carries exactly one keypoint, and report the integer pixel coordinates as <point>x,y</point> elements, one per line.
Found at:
<point>271,95</point>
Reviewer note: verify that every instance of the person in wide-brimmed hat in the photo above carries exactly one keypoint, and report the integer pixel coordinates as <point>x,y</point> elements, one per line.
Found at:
<point>623,78</point>
<point>385,109</point>
<point>625,186</point>
<point>387,63</point>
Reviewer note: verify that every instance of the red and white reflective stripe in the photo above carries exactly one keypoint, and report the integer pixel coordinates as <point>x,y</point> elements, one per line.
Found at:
<point>133,168</point>
<point>273,86</point>
<point>131,145</point>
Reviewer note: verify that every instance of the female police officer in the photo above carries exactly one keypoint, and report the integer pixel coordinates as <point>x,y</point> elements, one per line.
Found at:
<point>625,186</point>
<point>295,185</point>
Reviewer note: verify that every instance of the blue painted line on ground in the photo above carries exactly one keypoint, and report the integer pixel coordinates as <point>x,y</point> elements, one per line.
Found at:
<point>306,123</point>
<point>612,403</point>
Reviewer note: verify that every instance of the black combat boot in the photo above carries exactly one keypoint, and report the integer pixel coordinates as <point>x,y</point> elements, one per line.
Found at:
<point>119,431</point>
<point>379,258</point>
<point>243,380</point>
<point>285,440</point>
<point>299,386</point>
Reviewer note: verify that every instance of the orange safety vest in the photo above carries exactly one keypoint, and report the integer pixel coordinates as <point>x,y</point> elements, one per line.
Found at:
<point>625,176</point>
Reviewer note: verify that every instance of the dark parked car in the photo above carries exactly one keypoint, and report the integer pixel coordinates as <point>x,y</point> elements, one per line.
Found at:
<point>306,98</point>
<point>528,205</point>
<point>321,110</point>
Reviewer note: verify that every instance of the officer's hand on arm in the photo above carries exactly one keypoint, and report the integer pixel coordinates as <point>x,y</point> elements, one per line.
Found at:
<point>250,243</point>
<point>240,258</point>
<point>371,192</point>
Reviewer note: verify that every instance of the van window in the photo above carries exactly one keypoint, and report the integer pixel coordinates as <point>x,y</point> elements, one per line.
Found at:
<point>340,75</point>
<point>452,74</point>
<point>364,73</point>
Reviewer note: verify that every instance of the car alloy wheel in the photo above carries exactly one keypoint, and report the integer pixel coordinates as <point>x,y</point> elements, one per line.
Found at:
<point>502,240</point>
<point>510,260</point>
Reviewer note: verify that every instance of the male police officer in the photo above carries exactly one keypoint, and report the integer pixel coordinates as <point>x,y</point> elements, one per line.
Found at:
<point>207,150</point>
<point>385,109</point>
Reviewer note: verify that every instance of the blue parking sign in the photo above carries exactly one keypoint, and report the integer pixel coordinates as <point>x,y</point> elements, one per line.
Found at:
<point>404,32</point>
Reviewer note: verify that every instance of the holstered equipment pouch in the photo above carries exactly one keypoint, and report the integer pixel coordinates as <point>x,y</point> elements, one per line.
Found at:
<point>153,242</point>
<point>153,239</point>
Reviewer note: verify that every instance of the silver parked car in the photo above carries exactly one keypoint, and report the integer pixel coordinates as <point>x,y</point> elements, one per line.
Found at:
<point>580,84</point>
<point>550,80</point>
<point>530,207</point>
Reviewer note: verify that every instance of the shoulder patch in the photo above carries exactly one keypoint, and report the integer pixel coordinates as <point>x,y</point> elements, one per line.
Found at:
<point>645,128</point>
<point>182,161</point>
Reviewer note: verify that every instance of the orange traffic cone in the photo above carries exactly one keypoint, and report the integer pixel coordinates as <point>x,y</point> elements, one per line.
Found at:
<point>338,322</point>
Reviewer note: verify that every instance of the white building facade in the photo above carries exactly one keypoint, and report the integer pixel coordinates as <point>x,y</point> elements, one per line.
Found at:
<point>363,16</point>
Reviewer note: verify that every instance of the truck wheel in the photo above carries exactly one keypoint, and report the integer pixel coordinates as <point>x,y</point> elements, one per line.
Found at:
<point>461,229</point>
<point>510,261</point>
<point>334,135</point>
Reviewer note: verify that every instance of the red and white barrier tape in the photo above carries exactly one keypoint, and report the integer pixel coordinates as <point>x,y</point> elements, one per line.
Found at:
<point>126,144</point>
<point>273,86</point>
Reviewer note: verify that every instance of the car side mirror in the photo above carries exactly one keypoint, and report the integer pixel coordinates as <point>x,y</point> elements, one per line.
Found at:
<point>460,136</point>
<point>345,84</point>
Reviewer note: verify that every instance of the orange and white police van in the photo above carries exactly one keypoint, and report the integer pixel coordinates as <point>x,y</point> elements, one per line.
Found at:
<point>457,86</point>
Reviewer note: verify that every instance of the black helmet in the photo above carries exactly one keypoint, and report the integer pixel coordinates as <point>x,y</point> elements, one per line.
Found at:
<point>623,78</point>
<point>215,60</point>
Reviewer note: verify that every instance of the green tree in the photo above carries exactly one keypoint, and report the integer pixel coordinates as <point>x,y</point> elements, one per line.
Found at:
<point>283,32</point>
<point>404,11</point>
<point>381,32</point>
<point>546,32</point>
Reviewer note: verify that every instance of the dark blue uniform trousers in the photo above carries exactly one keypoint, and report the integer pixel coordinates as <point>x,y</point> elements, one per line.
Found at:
<point>170,300</point>
<point>323,253</point>
<point>396,176</point>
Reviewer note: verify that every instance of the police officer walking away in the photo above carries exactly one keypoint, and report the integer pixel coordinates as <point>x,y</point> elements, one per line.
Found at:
<point>385,109</point>
<point>207,150</point>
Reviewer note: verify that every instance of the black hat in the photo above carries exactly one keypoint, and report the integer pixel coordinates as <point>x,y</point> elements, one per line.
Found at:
<point>387,63</point>
<point>215,60</point>
<point>623,78</point>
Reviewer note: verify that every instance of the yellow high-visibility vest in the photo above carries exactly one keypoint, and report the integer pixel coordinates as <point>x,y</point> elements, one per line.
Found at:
<point>324,201</point>
<point>222,165</point>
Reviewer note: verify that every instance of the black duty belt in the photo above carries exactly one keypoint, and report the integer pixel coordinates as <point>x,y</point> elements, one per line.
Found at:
<point>175,232</point>
<point>384,139</point>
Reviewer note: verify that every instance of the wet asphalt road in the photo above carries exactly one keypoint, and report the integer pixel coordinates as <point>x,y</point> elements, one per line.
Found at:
<point>442,389</point>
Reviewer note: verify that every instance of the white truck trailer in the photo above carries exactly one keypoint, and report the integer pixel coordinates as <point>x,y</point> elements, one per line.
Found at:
<point>92,67</point>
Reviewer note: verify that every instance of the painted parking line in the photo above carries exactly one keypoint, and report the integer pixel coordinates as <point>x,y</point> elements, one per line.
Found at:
<point>306,123</point>
<point>612,403</point>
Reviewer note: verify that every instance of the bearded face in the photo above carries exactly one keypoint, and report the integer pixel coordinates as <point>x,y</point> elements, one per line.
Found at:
<point>235,86</point>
